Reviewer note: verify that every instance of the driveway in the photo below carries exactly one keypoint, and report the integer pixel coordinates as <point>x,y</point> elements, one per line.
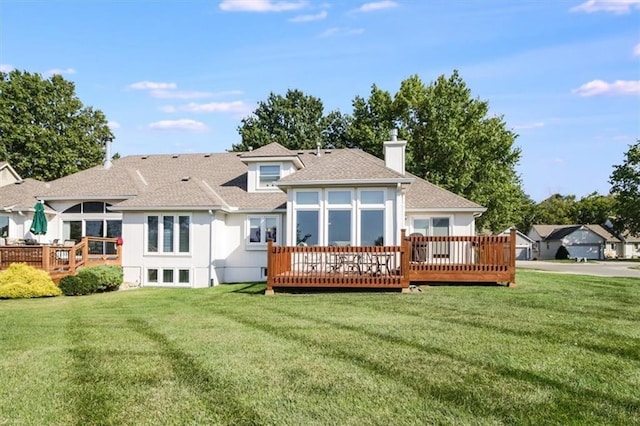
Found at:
<point>600,268</point>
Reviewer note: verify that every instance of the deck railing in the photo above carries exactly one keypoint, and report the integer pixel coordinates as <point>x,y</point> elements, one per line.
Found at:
<point>463,258</point>
<point>376,266</point>
<point>417,259</point>
<point>64,259</point>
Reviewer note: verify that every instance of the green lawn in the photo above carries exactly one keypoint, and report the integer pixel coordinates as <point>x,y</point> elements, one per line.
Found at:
<point>557,349</point>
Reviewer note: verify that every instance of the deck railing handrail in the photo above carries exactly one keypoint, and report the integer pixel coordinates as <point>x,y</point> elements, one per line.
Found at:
<point>62,258</point>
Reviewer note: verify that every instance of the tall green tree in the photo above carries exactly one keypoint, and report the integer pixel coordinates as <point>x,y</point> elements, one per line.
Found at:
<point>452,141</point>
<point>45,130</point>
<point>625,186</point>
<point>558,209</point>
<point>593,208</point>
<point>295,121</point>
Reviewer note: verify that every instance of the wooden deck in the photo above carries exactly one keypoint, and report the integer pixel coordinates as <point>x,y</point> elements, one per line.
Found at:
<point>62,260</point>
<point>417,259</point>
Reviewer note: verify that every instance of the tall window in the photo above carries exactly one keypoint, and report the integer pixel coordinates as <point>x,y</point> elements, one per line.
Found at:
<point>262,229</point>
<point>339,218</point>
<point>4,226</point>
<point>372,217</point>
<point>268,175</point>
<point>307,205</point>
<point>168,233</point>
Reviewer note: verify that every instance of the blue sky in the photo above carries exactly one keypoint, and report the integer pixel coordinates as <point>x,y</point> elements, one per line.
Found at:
<point>178,76</point>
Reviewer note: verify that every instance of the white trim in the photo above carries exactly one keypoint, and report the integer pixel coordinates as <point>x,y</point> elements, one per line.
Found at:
<point>349,182</point>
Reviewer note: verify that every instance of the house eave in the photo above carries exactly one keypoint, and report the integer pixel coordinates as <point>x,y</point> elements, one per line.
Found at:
<point>447,209</point>
<point>276,158</point>
<point>84,198</point>
<point>351,182</point>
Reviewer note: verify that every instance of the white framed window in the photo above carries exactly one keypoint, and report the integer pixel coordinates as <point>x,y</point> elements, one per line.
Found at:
<point>307,217</point>
<point>341,217</point>
<point>261,229</point>
<point>371,217</point>
<point>268,174</point>
<point>436,227</point>
<point>168,276</point>
<point>168,234</point>
<point>4,226</point>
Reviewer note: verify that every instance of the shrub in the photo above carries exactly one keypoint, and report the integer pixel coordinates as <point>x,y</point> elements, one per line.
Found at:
<point>103,277</point>
<point>23,281</point>
<point>94,279</point>
<point>72,285</point>
<point>562,253</point>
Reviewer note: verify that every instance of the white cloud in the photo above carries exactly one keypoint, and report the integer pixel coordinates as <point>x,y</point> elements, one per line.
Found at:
<point>59,71</point>
<point>168,108</point>
<point>113,125</point>
<point>377,5</point>
<point>636,50</point>
<point>617,88</point>
<point>335,31</point>
<point>235,106</point>
<point>618,7</point>
<point>260,5</point>
<point>182,124</point>
<point>6,68</point>
<point>309,18</point>
<point>527,126</point>
<point>152,85</point>
<point>179,94</point>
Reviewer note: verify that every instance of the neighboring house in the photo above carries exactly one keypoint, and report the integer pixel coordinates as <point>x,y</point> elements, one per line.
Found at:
<point>7,174</point>
<point>524,245</point>
<point>195,220</point>
<point>16,207</point>
<point>629,248</point>
<point>581,241</point>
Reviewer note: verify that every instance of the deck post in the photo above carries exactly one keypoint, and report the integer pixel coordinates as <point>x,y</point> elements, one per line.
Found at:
<point>405,260</point>
<point>512,258</point>
<point>45,258</point>
<point>270,274</point>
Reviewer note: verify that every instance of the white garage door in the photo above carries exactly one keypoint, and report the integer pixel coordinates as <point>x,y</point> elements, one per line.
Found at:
<point>588,251</point>
<point>522,253</point>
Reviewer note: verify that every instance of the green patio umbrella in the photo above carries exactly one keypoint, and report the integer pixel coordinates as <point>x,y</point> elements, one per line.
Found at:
<point>39,223</point>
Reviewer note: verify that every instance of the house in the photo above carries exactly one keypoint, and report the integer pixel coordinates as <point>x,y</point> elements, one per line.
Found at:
<point>524,245</point>
<point>581,241</point>
<point>629,246</point>
<point>195,220</point>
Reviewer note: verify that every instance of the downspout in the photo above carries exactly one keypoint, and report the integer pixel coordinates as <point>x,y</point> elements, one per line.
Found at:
<point>210,284</point>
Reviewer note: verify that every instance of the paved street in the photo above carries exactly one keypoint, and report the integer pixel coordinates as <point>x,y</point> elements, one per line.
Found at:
<point>601,268</point>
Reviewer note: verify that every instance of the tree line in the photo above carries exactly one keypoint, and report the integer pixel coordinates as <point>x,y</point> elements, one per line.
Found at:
<point>452,141</point>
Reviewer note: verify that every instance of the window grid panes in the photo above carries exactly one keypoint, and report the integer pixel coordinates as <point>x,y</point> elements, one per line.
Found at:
<point>183,234</point>
<point>167,276</point>
<point>307,227</point>
<point>307,198</point>
<point>183,276</point>
<point>269,174</point>
<point>152,233</point>
<point>263,229</point>
<point>152,275</point>
<point>167,234</point>
<point>372,197</point>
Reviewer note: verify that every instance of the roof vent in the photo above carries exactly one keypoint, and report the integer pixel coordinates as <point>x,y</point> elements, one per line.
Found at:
<point>174,156</point>
<point>250,148</point>
<point>327,152</point>
<point>207,155</point>
<point>185,178</point>
<point>144,157</point>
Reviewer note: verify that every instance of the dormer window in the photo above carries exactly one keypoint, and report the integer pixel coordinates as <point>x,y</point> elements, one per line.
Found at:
<point>268,175</point>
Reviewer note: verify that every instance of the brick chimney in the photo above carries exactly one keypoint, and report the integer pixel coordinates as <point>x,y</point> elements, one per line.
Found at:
<point>394,152</point>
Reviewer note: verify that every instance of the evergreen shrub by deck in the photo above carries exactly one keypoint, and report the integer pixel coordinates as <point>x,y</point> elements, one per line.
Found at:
<point>23,281</point>
<point>95,279</point>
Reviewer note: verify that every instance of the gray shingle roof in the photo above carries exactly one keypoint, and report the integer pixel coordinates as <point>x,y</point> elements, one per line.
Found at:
<point>557,232</point>
<point>220,180</point>
<point>273,149</point>
<point>21,196</point>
